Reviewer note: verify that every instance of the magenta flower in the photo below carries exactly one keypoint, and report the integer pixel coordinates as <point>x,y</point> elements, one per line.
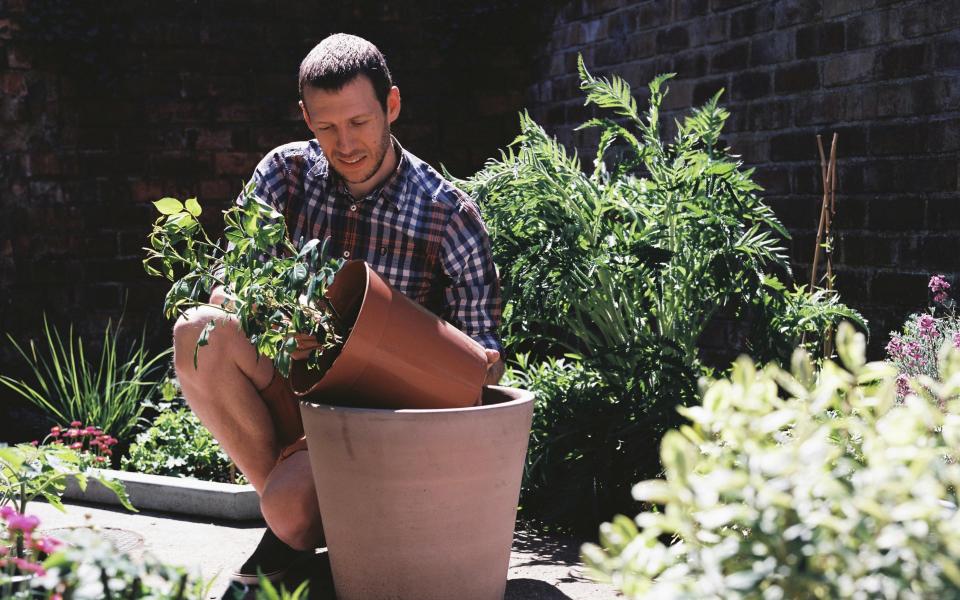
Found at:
<point>956,339</point>
<point>7,511</point>
<point>913,350</point>
<point>24,523</point>
<point>46,545</point>
<point>26,566</point>
<point>938,284</point>
<point>927,325</point>
<point>903,385</point>
<point>895,347</point>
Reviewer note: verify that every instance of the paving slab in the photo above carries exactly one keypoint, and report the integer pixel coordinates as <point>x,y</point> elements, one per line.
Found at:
<point>542,567</point>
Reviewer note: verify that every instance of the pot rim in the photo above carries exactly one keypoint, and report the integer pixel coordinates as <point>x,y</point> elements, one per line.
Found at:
<point>525,398</point>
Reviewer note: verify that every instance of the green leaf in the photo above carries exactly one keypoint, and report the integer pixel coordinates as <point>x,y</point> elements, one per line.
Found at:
<point>168,206</point>
<point>193,207</point>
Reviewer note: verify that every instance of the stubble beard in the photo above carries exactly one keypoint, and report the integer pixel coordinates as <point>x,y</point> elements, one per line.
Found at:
<point>385,141</point>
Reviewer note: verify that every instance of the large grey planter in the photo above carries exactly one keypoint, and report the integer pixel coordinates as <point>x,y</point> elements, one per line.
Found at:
<point>174,494</point>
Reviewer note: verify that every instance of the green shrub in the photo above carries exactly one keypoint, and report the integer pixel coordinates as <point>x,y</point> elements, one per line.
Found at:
<point>584,453</point>
<point>112,392</point>
<point>800,484</point>
<point>179,445</point>
<point>624,267</point>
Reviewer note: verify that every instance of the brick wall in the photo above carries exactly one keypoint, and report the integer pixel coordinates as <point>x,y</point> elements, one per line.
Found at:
<point>885,75</point>
<point>107,106</point>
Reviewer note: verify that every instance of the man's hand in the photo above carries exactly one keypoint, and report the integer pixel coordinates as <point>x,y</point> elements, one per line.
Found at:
<point>219,295</point>
<point>495,367</point>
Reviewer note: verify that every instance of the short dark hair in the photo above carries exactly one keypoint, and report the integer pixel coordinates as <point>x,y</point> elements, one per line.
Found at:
<point>339,59</point>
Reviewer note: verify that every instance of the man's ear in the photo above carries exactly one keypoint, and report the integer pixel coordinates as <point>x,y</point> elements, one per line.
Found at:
<point>393,104</point>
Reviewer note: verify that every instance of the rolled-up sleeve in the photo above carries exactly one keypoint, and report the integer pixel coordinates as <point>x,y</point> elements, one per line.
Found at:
<point>472,299</point>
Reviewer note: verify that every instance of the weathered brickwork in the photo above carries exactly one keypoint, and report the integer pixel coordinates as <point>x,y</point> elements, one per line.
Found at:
<point>885,75</point>
<point>107,106</point>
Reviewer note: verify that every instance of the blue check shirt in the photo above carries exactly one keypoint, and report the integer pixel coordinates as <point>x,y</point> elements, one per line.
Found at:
<point>417,230</point>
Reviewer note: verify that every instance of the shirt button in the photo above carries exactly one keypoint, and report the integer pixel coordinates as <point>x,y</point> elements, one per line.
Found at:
<point>353,208</point>
<point>383,251</point>
<point>346,254</point>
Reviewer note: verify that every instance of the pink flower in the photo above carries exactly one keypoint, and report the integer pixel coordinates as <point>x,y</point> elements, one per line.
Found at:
<point>28,567</point>
<point>927,325</point>
<point>938,284</point>
<point>895,347</point>
<point>76,446</point>
<point>940,297</point>
<point>76,424</point>
<point>24,523</point>
<point>913,350</point>
<point>35,443</point>
<point>903,385</point>
<point>956,339</point>
<point>7,511</point>
<point>46,545</point>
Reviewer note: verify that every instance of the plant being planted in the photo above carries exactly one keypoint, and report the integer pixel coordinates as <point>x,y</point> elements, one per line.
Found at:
<point>276,288</point>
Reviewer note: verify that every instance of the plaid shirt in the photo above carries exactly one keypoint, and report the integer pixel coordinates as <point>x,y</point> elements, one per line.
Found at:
<point>417,230</point>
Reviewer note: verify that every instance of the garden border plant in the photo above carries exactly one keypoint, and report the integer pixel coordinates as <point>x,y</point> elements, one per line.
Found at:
<point>800,484</point>
<point>619,270</point>
<point>68,387</point>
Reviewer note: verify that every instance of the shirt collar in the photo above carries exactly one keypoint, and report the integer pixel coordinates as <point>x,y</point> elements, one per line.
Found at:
<point>392,187</point>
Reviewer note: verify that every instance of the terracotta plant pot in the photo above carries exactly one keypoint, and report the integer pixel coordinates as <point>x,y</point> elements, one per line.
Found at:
<point>420,504</point>
<point>398,355</point>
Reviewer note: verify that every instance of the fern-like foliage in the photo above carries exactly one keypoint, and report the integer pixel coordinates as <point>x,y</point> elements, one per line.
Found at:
<point>624,266</point>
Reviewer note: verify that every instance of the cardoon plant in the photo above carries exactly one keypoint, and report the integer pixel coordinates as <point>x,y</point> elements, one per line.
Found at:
<point>621,268</point>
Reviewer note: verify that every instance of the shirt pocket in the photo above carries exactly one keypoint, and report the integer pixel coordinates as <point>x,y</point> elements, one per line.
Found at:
<point>410,264</point>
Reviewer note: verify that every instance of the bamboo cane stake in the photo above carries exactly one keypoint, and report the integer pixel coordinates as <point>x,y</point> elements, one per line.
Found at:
<point>828,249</point>
<point>823,216</point>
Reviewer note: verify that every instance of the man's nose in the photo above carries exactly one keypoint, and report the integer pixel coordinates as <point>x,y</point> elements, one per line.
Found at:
<point>344,142</point>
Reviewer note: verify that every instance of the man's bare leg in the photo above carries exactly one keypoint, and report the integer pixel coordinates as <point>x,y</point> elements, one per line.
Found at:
<point>223,393</point>
<point>289,503</point>
<point>222,390</point>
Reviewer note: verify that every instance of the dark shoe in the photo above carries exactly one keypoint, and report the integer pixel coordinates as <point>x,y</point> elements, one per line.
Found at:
<point>272,558</point>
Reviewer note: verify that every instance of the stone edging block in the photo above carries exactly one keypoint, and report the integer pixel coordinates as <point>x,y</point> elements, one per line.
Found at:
<point>174,494</point>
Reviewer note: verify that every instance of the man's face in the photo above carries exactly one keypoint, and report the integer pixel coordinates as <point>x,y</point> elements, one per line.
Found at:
<point>353,130</point>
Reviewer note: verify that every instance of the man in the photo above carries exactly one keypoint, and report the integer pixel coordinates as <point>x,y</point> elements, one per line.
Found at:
<point>375,201</point>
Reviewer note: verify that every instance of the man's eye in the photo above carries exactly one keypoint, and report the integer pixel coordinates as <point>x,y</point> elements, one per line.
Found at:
<point>359,123</point>
<point>324,128</point>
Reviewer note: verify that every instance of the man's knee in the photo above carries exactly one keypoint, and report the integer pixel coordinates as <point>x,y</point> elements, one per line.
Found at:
<point>295,520</point>
<point>188,329</point>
